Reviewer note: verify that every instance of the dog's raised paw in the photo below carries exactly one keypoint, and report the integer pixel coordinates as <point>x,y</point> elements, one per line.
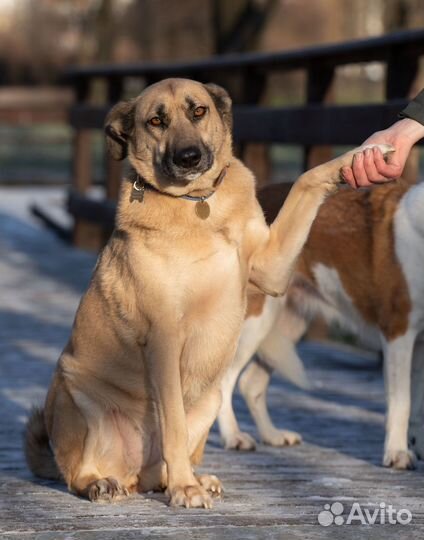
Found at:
<point>399,459</point>
<point>385,149</point>
<point>106,490</point>
<point>240,441</point>
<point>282,437</point>
<point>190,497</point>
<point>211,483</point>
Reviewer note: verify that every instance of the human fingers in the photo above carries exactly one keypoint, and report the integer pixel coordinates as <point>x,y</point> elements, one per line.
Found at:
<point>391,169</point>
<point>359,171</point>
<point>348,177</point>
<point>373,175</point>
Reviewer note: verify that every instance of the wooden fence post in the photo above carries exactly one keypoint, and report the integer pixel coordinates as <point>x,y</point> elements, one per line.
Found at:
<point>113,168</point>
<point>255,155</point>
<point>85,234</point>
<point>318,91</point>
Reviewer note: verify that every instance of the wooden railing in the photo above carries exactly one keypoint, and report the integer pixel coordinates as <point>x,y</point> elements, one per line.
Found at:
<point>312,125</point>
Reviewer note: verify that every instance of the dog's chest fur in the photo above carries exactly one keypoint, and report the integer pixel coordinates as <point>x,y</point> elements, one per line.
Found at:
<point>184,276</point>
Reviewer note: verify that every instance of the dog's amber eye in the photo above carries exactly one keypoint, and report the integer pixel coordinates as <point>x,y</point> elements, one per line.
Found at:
<point>155,121</point>
<point>199,112</point>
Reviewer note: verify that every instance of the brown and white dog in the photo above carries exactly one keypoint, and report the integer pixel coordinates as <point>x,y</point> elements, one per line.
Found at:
<point>362,266</point>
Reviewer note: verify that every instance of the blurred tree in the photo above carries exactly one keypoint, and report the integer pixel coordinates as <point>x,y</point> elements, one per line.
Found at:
<point>40,37</point>
<point>238,24</point>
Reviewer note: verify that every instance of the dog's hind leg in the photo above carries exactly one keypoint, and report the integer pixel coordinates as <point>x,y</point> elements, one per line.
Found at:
<point>398,360</point>
<point>91,447</point>
<point>255,328</point>
<point>277,351</point>
<point>254,385</point>
<point>416,423</point>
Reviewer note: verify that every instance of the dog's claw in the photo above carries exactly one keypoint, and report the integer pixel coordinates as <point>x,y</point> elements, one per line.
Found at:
<point>106,490</point>
<point>190,497</point>
<point>211,483</point>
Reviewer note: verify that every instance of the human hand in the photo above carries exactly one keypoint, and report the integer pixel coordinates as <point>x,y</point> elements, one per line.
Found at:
<point>369,167</point>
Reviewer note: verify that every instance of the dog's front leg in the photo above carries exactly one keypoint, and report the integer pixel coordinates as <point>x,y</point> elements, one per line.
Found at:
<point>163,356</point>
<point>277,251</point>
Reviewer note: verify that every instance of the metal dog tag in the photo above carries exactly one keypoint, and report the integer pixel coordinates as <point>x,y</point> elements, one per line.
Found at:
<point>137,193</point>
<point>202,209</point>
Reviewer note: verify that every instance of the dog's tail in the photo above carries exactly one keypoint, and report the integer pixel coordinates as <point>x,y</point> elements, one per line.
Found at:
<point>38,453</point>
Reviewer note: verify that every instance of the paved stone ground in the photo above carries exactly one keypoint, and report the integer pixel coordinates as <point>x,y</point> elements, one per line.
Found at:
<point>270,493</point>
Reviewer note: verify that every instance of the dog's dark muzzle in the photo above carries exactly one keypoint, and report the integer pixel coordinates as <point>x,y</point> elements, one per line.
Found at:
<point>187,158</point>
<point>182,163</point>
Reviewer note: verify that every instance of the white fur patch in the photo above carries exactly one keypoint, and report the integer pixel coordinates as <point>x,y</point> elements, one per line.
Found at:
<point>409,245</point>
<point>339,306</point>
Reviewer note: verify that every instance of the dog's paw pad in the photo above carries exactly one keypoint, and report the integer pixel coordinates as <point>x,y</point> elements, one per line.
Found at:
<point>106,490</point>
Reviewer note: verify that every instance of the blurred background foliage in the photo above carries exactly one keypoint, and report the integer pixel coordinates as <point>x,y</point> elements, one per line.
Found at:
<point>40,38</point>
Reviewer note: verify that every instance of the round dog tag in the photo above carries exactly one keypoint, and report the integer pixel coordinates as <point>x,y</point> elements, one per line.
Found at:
<point>202,209</point>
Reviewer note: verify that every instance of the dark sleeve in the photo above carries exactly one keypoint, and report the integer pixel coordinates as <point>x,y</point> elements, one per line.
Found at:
<point>415,109</point>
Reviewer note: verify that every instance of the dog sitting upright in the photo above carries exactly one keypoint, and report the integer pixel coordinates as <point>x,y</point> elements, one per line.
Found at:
<point>362,267</point>
<point>137,387</point>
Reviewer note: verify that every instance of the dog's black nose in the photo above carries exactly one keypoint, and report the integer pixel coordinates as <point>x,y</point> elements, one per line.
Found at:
<point>187,157</point>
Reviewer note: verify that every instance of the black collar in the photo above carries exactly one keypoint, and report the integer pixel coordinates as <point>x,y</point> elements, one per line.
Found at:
<point>140,185</point>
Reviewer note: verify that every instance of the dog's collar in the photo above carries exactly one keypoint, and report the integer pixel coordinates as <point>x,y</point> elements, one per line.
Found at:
<point>140,185</point>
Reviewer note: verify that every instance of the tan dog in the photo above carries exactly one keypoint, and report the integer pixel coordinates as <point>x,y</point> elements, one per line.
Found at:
<point>361,267</point>
<point>138,385</point>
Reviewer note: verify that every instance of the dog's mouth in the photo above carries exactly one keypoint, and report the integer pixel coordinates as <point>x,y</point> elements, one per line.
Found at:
<point>185,166</point>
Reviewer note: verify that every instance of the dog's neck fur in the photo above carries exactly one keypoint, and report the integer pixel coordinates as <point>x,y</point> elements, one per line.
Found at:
<point>196,194</point>
<point>173,215</point>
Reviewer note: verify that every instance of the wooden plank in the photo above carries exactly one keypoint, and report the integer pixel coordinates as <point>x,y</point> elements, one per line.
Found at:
<point>85,235</point>
<point>308,125</point>
<point>253,86</point>
<point>273,493</point>
<point>87,116</point>
<point>313,124</point>
<point>82,160</point>
<point>402,70</point>
<point>361,50</point>
<point>113,168</point>
<point>319,90</point>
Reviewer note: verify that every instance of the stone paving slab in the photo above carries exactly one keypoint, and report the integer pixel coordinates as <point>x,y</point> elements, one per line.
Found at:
<point>271,493</point>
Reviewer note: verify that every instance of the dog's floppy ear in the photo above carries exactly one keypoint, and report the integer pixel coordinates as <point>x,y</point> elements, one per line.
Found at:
<point>222,102</point>
<point>118,126</point>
